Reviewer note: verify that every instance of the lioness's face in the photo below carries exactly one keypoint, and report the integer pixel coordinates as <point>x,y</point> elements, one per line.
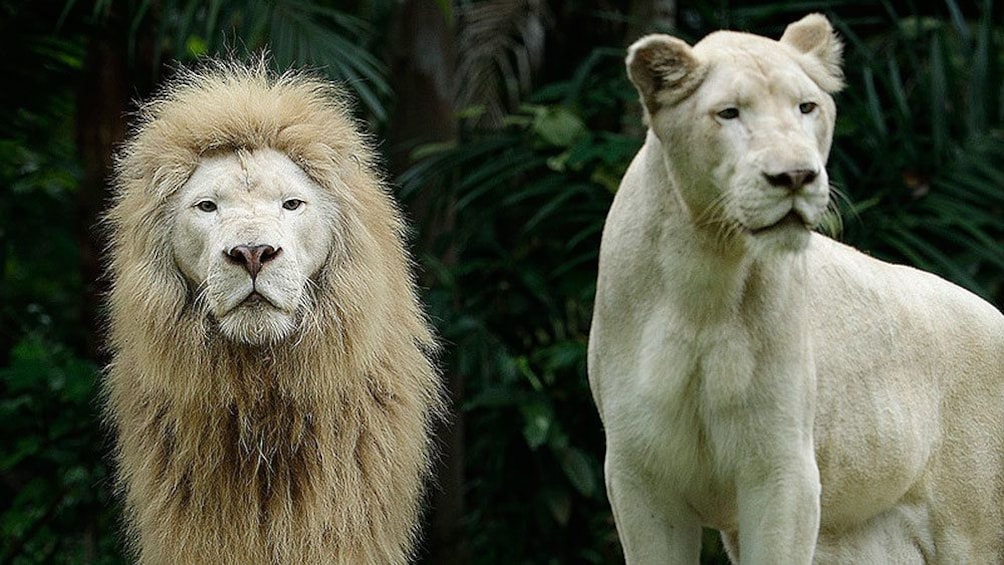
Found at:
<point>250,230</point>
<point>747,145</point>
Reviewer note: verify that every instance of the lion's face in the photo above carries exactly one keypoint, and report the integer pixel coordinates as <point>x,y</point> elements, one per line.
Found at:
<point>764,129</point>
<point>746,128</point>
<point>250,230</point>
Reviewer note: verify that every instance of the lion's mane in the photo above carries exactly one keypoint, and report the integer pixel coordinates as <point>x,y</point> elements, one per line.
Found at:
<point>312,450</point>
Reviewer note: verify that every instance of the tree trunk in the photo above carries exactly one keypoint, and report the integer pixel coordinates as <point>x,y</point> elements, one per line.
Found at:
<point>109,78</point>
<point>422,74</point>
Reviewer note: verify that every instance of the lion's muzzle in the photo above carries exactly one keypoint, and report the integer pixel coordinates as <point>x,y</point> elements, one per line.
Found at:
<point>792,180</point>
<point>252,257</point>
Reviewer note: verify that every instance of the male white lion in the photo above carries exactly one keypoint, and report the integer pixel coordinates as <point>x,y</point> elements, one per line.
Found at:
<point>810,402</point>
<point>270,389</point>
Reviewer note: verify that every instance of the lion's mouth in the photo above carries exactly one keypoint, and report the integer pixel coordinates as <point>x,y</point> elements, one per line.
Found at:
<point>791,219</point>
<point>256,299</point>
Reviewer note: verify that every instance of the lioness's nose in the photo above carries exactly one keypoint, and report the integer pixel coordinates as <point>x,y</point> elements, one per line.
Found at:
<point>252,257</point>
<point>792,180</point>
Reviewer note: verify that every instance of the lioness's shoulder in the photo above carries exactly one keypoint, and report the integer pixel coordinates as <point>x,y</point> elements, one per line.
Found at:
<point>841,272</point>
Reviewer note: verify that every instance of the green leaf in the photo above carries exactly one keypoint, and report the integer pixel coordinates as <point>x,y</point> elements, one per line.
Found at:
<point>559,503</point>
<point>558,126</point>
<point>23,448</point>
<point>939,97</point>
<point>446,7</point>
<point>538,418</point>
<point>579,470</point>
<point>195,46</point>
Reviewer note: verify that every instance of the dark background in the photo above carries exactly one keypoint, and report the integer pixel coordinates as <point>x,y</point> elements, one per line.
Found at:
<point>505,126</point>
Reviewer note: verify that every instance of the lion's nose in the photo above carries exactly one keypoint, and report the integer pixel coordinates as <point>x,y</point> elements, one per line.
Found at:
<point>792,180</point>
<point>252,257</point>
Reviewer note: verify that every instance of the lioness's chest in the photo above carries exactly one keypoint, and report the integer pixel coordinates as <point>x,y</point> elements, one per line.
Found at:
<point>671,416</point>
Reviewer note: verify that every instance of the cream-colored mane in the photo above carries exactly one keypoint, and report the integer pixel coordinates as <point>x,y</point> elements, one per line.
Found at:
<point>310,446</point>
<point>811,403</point>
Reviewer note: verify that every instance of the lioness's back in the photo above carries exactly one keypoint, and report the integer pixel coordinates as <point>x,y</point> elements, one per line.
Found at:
<point>853,286</point>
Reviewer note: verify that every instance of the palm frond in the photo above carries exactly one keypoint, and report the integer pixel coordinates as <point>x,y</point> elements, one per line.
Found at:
<point>297,33</point>
<point>926,97</point>
<point>501,44</point>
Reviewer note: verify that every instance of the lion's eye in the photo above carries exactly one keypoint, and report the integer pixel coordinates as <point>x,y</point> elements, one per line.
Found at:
<point>806,107</point>
<point>292,204</point>
<point>729,114</point>
<point>206,206</point>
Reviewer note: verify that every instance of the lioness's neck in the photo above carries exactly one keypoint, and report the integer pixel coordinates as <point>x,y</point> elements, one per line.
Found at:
<point>711,271</point>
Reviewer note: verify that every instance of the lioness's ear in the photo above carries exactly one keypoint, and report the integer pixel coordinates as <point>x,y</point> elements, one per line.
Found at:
<point>663,69</point>
<point>814,36</point>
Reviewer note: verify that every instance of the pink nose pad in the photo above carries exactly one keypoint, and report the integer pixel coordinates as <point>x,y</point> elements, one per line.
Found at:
<point>792,180</point>
<point>252,257</point>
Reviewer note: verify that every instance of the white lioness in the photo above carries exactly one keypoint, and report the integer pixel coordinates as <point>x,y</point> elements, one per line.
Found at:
<point>810,402</point>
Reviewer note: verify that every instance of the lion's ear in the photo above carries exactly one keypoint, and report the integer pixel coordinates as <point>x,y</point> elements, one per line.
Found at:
<point>813,35</point>
<point>663,69</point>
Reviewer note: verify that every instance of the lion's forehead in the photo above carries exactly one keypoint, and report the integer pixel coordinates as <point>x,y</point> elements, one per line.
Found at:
<point>746,85</point>
<point>749,66</point>
<point>243,179</point>
<point>730,43</point>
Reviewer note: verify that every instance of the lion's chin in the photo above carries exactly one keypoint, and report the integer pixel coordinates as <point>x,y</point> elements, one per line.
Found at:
<point>789,234</point>
<point>257,323</point>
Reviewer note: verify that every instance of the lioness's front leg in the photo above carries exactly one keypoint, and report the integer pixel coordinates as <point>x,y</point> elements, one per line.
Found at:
<point>778,515</point>
<point>765,436</point>
<point>651,532</point>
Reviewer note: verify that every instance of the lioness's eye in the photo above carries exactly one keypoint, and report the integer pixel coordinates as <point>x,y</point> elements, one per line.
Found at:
<point>292,204</point>
<point>806,107</point>
<point>206,206</point>
<point>729,114</point>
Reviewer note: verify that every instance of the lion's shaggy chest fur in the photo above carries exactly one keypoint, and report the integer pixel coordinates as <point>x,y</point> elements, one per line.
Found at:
<point>286,477</point>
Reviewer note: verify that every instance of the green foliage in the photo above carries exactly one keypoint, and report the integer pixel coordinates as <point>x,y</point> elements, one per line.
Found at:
<point>925,98</point>
<point>40,283</point>
<point>297,33</point>
<point>57,507</point>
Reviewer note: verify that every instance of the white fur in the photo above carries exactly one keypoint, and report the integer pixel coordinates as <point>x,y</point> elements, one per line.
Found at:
<point>248,190</point>
<point>810,402</point>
